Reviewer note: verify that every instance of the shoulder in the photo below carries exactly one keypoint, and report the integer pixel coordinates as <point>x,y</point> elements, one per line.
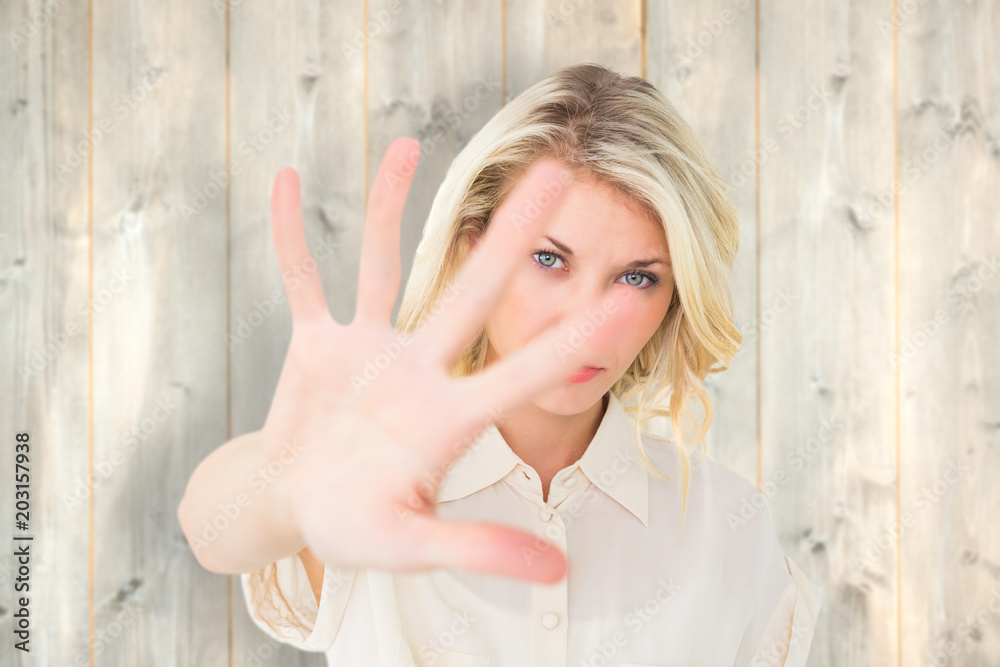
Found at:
<point>724,511</point>
<point>713,487</point>
<point>728,517</point>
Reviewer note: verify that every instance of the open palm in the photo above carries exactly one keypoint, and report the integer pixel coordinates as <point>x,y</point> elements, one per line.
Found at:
<point>370,450</point>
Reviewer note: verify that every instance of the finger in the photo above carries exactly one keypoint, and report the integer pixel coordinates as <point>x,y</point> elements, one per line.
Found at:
<point>519,220</point>
<point>489,548</point>
<point>379,276</point>
<point>552,356</point>
<point>298,267</point>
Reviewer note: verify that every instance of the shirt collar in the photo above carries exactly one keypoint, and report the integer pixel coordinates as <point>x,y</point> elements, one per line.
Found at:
<point>611,462</point>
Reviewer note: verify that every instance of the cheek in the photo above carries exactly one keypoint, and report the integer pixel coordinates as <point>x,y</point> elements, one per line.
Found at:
<point>645,325</point>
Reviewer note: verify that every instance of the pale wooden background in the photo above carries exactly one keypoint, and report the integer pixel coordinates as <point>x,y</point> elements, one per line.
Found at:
<point>856,233</point>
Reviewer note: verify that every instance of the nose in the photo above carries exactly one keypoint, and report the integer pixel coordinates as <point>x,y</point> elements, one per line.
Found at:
<point>582,296</point>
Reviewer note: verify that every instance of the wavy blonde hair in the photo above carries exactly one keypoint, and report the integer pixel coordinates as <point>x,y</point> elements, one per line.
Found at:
<point>621,130</point>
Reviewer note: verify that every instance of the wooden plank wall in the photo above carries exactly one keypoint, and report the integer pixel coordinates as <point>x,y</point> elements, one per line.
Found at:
<point>860,144</point>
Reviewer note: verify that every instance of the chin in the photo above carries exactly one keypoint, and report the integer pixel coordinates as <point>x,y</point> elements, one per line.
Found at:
<point>571,398</point>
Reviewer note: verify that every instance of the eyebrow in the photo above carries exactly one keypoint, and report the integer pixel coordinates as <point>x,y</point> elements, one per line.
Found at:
<point>638,264</point>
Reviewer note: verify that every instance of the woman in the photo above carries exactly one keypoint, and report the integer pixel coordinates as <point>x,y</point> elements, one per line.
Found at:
<point>469,488</point>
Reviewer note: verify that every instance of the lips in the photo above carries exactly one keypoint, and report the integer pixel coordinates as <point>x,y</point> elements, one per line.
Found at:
<point>585,373</point>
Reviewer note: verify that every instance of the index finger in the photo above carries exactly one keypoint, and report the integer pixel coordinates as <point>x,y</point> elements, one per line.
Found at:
<point>483,278</point>
<point>297,265</point>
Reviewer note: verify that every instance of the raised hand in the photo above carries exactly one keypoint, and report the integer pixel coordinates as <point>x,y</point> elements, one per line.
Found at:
<point>369,456</point>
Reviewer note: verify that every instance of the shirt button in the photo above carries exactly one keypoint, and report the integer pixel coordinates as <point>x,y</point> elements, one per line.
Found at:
<point>545,515</point>
<point>570,481</point>
<point>550,620</point>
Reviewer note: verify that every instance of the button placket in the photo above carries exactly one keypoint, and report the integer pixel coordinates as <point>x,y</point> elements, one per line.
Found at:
<point>527,483</point>
<point>549,604</point>
<point>562,489</point>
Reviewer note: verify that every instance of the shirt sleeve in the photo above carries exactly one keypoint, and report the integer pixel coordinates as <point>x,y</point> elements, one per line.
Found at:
<point>790,626</point>
<point>281,602</point>
<point>784,604</point>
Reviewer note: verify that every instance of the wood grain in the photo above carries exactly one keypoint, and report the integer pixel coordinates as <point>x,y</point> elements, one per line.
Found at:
<point>159,372</point>
<point>859,145</point>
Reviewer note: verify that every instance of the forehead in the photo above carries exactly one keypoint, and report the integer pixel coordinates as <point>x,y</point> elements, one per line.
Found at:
<point>593,210</point>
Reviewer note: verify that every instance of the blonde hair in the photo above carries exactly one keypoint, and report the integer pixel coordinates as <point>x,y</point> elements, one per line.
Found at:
<point>623,131</point>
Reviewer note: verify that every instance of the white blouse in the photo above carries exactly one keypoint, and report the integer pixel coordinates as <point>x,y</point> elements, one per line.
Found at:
<point>641,590</point>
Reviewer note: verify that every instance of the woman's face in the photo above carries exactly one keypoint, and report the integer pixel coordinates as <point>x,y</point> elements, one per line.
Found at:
<point>590,248</point>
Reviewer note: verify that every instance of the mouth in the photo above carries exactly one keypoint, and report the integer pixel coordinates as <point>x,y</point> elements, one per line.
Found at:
<point>585,373</point>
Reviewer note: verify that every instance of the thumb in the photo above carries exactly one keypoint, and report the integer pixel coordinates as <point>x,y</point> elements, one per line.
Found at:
<point>487,547</point>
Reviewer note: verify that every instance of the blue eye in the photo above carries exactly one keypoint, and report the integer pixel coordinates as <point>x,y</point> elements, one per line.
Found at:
<point>548,257</point>
<point>545,260</point>
<point>648,276</point>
